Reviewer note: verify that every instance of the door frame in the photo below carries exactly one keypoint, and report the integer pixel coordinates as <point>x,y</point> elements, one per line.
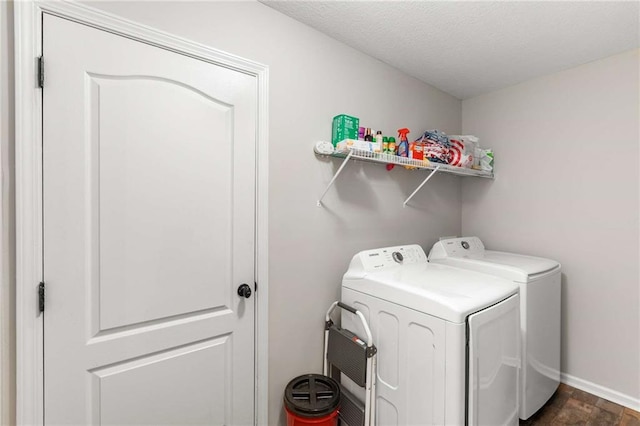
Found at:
<point>28,151</point>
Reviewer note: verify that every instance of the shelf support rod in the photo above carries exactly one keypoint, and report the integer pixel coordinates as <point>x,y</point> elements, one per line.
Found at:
<point>421,185</point>
<point>344,163</point>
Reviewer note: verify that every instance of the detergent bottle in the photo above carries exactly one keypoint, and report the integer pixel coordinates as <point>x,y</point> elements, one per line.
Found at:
<point>403,144</point>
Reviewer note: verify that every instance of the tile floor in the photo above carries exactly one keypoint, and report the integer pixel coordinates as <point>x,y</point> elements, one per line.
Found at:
<point>571,406</point>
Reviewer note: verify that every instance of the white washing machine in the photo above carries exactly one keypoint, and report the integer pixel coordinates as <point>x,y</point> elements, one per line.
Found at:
<point>447,339</point>
<point>539,281</point>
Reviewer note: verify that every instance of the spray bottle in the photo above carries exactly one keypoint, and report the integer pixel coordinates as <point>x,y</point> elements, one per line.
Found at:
<point>403,144</point>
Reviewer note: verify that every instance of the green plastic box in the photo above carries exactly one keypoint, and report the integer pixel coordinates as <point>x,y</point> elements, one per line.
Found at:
<point>344,127</point>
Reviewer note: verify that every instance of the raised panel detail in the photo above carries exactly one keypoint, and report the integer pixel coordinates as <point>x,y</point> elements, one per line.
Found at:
<point>389,338</point>
<point>136,392</point>
<point>160,167</point>
<point>421,377</point>
<point>387,413</point>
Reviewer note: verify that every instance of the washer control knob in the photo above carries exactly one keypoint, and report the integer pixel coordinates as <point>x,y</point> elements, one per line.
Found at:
<point>465,245</point>
<point>397,256</point>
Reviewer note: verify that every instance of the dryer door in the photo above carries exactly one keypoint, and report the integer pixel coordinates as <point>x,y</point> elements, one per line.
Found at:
<point>494,363</point>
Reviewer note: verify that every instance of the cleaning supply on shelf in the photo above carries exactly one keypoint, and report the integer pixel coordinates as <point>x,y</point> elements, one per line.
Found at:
<point>476,151</point>
<point>486,160</point>
<point>416,150</point>
<point>438,137</point>
<point>458,153</point>
<point>392,145</point>
<point>367,135</point>
<point>379,141</point>
<point>344,127</point>
<point>348,144</point>
<point>436,146</point>
<point>360,133</point>
<point>403,144</point>
<point>385,144</point>
<point>470,151</point>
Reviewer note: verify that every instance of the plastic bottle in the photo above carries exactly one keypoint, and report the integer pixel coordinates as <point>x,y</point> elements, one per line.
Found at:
<point>385,144</point>
<point>403,145</point>
<point>392,145</point>
<point>368,136</point>
<point>379,141</point>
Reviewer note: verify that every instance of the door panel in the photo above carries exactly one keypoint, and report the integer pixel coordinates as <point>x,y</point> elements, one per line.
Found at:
<point>149,220</point>
<point>166,234</point>
<point>121,394</point>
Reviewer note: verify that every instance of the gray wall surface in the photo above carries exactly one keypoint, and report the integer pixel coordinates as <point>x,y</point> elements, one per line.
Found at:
<point>312,79</point>
<point>566,187</point>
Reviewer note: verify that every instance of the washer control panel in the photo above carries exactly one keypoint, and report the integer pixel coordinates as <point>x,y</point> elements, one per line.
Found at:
<point>457,247</point>
<point>388,257</point>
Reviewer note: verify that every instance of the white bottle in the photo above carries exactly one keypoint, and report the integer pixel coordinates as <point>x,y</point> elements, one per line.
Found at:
<point>379,141</point>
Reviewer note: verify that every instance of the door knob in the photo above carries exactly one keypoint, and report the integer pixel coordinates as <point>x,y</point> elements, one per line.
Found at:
<point>244,291</point>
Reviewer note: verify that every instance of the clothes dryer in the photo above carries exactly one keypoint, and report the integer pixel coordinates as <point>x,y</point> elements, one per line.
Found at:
<point>539,282</point>
<point>447,339</point>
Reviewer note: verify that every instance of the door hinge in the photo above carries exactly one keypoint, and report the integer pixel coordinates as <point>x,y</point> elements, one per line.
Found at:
<point>40,72</point>
<point>41,296</point>
<point>255,286</point>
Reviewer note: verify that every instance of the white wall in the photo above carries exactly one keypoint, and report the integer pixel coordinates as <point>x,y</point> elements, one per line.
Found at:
<point>7,220</point>
<point>313,78</point>
<point>567,188</point>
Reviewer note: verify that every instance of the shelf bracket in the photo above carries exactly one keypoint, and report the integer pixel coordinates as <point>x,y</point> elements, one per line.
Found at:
<point>421,185</point>
<point>344,163</point>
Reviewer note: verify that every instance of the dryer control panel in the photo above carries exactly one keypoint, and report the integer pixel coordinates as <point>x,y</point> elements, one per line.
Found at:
<point>387,257</point>
<point>457,247</point>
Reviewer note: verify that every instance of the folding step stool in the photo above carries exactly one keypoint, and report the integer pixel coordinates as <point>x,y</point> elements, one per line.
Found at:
<point>346,353</point>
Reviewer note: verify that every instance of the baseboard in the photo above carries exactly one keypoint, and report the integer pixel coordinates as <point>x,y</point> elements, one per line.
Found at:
<point>601,391</point>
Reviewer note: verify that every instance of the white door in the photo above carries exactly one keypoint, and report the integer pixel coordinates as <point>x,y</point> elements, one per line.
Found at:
<point>149,220</point>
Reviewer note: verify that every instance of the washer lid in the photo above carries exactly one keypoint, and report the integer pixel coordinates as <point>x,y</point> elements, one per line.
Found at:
<point>511,266</point>
<point>438,290</point>
<point>469,253</point>
<point>529,264</point>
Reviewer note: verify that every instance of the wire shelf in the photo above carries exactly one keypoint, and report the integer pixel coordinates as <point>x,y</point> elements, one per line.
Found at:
<point>410,163</point>
<point>375,157</point>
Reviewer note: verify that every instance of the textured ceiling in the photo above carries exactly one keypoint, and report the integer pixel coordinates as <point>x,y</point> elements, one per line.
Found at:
<point>470,48</point>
